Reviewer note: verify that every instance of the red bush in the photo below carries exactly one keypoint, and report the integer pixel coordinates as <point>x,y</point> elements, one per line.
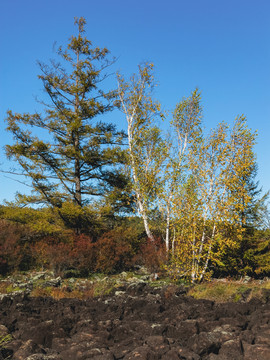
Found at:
<point>52,254</point>
<point>152,255</point>
<point>115,251</point>
<point>83,253</point>
<point>11,249</point>
<point>76,253</point>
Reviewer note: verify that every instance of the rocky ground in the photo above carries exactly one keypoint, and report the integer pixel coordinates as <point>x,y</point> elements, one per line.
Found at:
<point>137,321</point>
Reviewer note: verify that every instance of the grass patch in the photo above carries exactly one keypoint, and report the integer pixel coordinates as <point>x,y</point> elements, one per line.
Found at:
<point>7,287</point>
<point>229,291</point>
<point>4,340</point>
<point>4,286</point>
<point>79,290</point>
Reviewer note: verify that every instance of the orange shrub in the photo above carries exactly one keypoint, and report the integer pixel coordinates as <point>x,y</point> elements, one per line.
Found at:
<point>115,250</point>
<point>78,252</point>
<point>51,254</point>
<point>11,248</point>
<point>83,253</point>
<point>152,255</point>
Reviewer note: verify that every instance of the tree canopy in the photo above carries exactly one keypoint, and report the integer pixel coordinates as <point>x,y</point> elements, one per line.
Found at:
<point>79,154</point>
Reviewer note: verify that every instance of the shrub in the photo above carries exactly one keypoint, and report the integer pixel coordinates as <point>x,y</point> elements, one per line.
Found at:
<point>11,249</point>
<point>116,250</point>
<point>83,253</point>
<point>152,255</point>
<point>75,252</point>
<point>52,254</point>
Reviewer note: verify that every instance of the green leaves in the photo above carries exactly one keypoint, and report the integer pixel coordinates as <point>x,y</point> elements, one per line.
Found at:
<point>74,156</point>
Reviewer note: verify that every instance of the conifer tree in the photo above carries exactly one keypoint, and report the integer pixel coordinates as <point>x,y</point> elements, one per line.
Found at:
<point>252,215</point>
<point>79,154</point>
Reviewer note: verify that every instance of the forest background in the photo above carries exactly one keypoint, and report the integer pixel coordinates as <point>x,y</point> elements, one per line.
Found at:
<point>103,235</point>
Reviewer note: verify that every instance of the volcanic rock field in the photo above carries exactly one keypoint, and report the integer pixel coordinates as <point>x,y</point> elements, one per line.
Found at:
<point>135,322</point>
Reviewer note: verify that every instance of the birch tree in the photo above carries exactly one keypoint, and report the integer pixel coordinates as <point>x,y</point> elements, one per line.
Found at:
<point>186,132</point>
<point>214,196</point>
<point>146,147</point>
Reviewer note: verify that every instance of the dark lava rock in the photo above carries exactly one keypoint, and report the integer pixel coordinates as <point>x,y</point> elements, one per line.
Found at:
<point>140,323</point>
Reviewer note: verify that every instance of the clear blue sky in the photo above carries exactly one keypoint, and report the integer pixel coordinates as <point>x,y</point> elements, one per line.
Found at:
<point>220,46</point>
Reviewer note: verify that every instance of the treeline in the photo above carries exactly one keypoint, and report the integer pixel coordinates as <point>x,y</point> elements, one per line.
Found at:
<point>38,239</point>
<point>105,200</point>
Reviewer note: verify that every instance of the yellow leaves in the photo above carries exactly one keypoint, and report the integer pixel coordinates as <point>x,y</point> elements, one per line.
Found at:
<point>220,165</point>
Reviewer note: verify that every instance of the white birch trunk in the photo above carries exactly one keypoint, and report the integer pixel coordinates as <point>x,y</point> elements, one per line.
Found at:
<point>173,242</point>
<point>144,217</point>
<point>208,253</point>
<point>168,210</point>
<point>139,196</point>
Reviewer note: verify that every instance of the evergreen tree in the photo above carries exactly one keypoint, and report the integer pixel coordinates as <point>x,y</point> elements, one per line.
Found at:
<point>79,156</point>
<point>253,214</point>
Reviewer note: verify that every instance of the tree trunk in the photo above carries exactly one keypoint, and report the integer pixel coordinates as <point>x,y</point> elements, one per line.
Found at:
<point>208,253</point>
<point>167,238</point>
<point>77,170</point>
<point>142,210</point>
<point>78,193</point>
<point>144,216</point>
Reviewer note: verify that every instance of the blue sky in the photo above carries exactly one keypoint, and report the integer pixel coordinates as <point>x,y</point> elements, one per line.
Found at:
<point>220,46</point>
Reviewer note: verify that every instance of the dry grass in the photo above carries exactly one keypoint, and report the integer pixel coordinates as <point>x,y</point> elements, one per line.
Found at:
<point>229,291</point>
<point>61,293</point>
<point>89,290</point>
<point>7,287</point>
